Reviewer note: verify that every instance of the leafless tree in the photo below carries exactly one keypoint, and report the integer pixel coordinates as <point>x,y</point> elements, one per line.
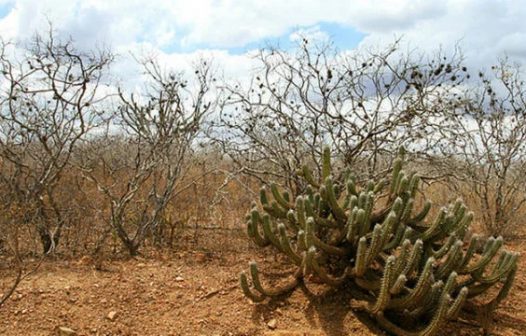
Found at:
<point>153,133</point>
<point>483,146</point>
<point>365,104</point>
<point>48,98</point>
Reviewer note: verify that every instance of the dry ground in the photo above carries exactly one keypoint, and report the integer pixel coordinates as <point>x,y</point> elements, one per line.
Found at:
<point>194,293</point>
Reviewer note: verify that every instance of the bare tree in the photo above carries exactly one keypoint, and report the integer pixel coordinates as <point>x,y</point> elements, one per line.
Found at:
<point>364,103</point>
<point>153,134</point>
<point>48,101</point>
<point>483,146</point>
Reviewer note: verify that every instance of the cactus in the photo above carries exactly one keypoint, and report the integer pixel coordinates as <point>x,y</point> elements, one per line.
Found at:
<point>410,273</point>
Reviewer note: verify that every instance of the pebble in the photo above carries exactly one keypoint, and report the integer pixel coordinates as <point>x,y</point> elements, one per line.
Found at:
<point>65,331</point>
<point>112,315</point>
<point>272,324</point>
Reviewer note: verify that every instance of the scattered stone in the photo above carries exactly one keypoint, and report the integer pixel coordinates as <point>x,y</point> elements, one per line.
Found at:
<point>179,278</point>
<point>112,315</point>
<point>65,331</point>
<point>272,324</point>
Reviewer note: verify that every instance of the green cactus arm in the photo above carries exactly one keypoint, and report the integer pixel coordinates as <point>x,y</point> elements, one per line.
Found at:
<point>253,233</point>
<point>352,226</point>
<point>376,244</point>
<point>403,185</point>
<point>463,225</point>
<point>492,247</point>
<point>269,234</point>
<point>397,238</point>
<point>453,260</point>
<point>388,227</point>
<point>359,224</point>
<point>331,198</point>
<point>360,265</point>
<point>450,283</point>
<point>276,290</point>
<point>395,176</point>
<point>312,240</point>
<point>420,290</point>
<point>279,197</point>
<point>300,212</point>
<point>414,258</point>
<point>444,249</point>
<point>368,208</point>
<point>246,289</point>
<point>472,247</point>
<point>328,279</point>
<point>286,247</point>
<point>403,258</point>
<point>398,285</point>
<point>384,295</point>
<point>301,240</point>
<point>253,230</point>
<point>307,175</point>
<point>505,289</point>
<point>393,219</point>
<point>500,270</point>
<point>454,217</point>
<point>456,306</point>
<point>292,222</point>
<point>405,214</point>
<point>353,202</point>
<point>434,229</point>
<point>431,300</point>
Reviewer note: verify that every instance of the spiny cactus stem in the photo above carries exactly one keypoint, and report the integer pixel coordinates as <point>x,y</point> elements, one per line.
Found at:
<point>422,286</point>
<point>491,250</point>
<point>312,240</point>
<point>246,289</point>
<point>385,295</point>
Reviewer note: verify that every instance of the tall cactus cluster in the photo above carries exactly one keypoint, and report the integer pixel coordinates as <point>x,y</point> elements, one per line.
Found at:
<point>409,273</point>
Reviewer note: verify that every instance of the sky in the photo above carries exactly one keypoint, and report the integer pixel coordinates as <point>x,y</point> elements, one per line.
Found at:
<point>228,30</point>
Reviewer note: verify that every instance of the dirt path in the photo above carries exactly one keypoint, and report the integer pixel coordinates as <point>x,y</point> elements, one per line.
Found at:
<point>191,294</point>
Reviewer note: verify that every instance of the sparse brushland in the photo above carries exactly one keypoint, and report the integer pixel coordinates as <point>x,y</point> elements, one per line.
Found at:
<point>122,212</point>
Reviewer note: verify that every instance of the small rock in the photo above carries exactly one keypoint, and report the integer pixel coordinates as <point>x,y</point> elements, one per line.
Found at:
<point>272,324</point>
<point>65,331</point>
<point>112,315</point>
<point>179,278</point>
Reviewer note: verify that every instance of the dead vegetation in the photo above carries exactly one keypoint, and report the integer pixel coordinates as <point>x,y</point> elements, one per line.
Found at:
<point>89,176</point>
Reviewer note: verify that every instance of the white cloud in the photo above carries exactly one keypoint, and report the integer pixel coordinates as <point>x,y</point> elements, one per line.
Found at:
<point>486,28</point>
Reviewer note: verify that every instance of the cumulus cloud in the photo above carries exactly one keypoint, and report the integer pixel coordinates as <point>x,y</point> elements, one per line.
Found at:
<point>178,29</point>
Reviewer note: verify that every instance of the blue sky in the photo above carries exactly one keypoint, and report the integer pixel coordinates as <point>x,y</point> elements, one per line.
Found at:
<point>177,30</point>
